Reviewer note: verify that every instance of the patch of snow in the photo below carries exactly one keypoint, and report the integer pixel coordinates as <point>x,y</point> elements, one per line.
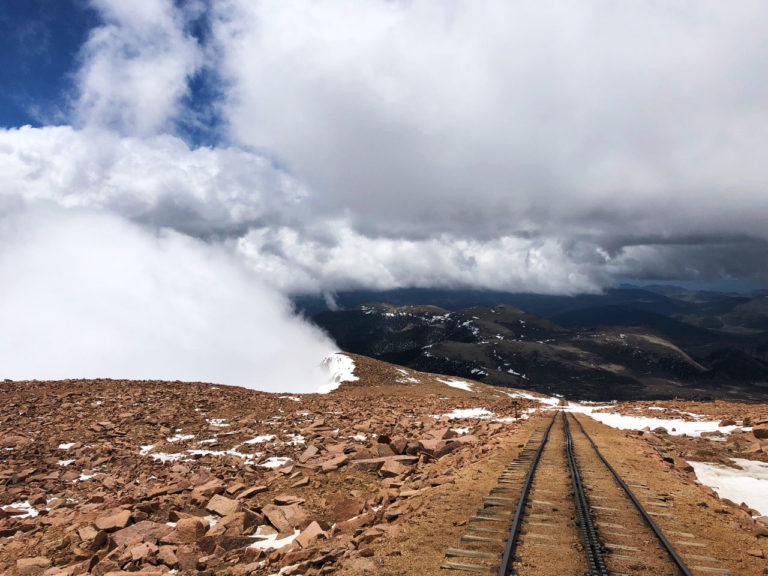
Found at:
<point>180,437</point>
<point>341,368</point>
<point>464,430</point>
<point>296,439</point>
<point>285,570</point>
<point>208,441</point>
<point>674,426</point>
<point>83,477</point>
<point>271,541</point>
<point>360,437</point>
<point>470,413</point>
<point>30,510</point>
<point>294,398</point>
<point>164,457</point>
<point>748,485</point>
<point>275,462</point>
<point>247,458</point>
<point>406,378</point>
<point>460,384</point>
<point>511,418</point>
<point>549,400</point>
<point>212,520</point>
<point>146,449</point>
<point>218,422</point>
<point>260,439</point>
<point>65,462</point>
<point>66,446</point>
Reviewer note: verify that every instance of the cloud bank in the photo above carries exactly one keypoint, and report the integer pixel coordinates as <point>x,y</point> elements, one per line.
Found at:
<point>599,126</point>
<point>88,295</point>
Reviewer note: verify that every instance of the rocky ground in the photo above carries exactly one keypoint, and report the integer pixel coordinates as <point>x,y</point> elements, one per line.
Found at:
<point>104,476</point>
<point>380,476</point>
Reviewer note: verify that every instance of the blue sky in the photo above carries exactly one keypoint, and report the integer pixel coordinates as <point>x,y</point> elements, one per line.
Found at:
<point>40,50</point>
<point>39,44</point>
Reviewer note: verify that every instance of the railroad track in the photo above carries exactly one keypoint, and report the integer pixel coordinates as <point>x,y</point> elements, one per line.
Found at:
<point>561,509</point>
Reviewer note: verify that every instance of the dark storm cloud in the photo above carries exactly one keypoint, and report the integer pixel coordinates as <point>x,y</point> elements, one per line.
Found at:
<point>593,123</point>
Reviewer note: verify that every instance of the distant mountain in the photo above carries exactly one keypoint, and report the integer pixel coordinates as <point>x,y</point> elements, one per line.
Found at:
<point>680,332</point>
<point>542,304</point>
<point>597,353</point>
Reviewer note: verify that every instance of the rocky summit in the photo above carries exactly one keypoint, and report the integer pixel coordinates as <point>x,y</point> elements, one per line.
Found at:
<point>380,476</point>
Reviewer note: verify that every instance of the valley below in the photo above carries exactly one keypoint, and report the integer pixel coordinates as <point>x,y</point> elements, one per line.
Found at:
<point>627,345</point>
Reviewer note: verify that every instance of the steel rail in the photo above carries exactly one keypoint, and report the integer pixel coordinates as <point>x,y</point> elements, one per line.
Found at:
<point>679,563</point>
<point>592,547</point>
<point>509,551</point>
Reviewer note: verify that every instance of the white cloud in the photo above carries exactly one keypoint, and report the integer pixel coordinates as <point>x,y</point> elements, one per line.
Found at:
<point>611,121</point>
<point>89,295</point>
<point>157,179</point>
<point>345,259</point>
<point>136,65</point>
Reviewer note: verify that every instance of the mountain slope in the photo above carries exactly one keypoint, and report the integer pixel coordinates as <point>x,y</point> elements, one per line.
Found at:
<point>505,346</point>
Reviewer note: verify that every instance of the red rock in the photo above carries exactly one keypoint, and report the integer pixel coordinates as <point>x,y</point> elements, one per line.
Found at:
<point>143,573</point>
<point>681,464</point>
<point>376,463</point>
<point>143,551</point>
<point>431,445</point>
<point>234,487</point>
<point>310,452</point>
<point>222,506</point>
<point>760,431</point>
<point>113,521</point>
<point>295,515</point>
<point>383,450</point>
<point>334,463</point>
<point>392,513</point>
<point>344,506</point>
<point>32,565</point>
<point>188,557</point>
<point>167,556</point>
<point>247,493</point>
<point>398,444</point>
<point>187,531</point>
<point>141,531</point>
<point>210,487</point>
<point>87,533</point>
<point>310,534</point>
<point>393,468</point>
<point>287,499</point>
<point>277,518</point>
